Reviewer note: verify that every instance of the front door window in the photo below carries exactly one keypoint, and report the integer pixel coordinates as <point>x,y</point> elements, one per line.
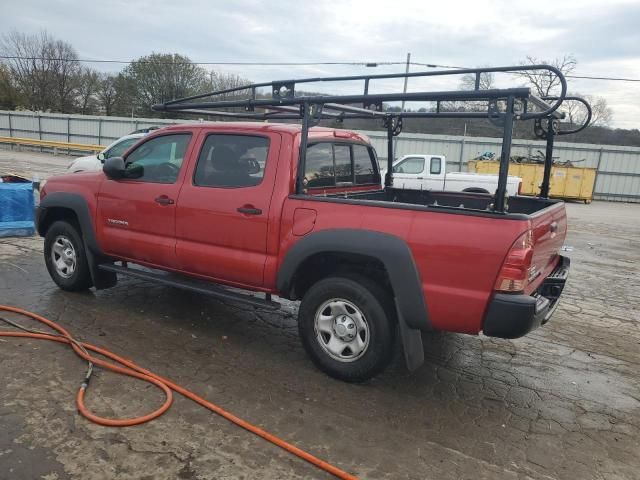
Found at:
<point>119,148</point>
<point>159,159</point>
<point>411,165</point>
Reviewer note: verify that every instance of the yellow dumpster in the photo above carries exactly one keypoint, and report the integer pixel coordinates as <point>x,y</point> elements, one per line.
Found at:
<point>565,182</point>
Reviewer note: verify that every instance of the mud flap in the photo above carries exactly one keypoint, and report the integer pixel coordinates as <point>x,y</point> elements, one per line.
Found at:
<point>411,344</point>
<point>101,278</point>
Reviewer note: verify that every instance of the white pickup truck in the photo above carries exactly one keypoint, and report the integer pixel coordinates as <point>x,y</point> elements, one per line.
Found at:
<point>429,172</point>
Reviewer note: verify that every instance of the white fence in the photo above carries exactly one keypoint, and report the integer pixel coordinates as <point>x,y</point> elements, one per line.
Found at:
<point>617,177</point>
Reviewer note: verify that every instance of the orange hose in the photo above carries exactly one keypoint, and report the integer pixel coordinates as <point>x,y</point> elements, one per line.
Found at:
<point>131,369</point>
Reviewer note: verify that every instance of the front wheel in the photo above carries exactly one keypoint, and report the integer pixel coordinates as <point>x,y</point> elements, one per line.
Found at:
<point>347,328</point>
<point>65,257</point>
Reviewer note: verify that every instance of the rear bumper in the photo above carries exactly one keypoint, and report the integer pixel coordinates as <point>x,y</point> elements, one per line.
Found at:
<point>513,315</point>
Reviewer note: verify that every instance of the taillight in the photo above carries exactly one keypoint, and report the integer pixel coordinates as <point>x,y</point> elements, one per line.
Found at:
<point>519,187</point>
<point>515,271</point>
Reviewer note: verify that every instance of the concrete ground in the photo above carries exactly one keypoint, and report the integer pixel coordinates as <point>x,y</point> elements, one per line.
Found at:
<point>561,403</point>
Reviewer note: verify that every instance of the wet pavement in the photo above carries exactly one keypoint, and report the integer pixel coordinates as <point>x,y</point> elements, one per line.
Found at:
<point>561,403</point>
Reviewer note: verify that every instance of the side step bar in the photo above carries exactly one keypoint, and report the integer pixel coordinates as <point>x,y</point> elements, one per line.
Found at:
<point>192,284</point>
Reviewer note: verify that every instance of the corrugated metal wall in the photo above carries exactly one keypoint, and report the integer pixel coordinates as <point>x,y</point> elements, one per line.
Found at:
<point>618,168</point>
<point>617,179</point>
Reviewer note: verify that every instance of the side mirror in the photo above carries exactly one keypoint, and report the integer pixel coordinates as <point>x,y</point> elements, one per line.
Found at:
<point>101,157</point>
<point>114,168</point>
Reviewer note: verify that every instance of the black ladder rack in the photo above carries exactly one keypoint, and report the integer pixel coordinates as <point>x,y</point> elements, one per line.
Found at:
<point>504,106</point>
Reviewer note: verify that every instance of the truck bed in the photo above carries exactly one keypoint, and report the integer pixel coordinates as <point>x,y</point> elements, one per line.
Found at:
<point>458,242</point>
<point>462,202</point>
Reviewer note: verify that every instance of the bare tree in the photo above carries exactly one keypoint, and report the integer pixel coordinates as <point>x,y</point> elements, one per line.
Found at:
<point>28,72</point>
<point>576,113</point>
<point>224,81</point>
<point>602,114</point>
<point>88,84</point>
<point>44,70</point>
<point>468,81</point>
<point>66,71</point>
<point>107,92</point>
<point>546,83</point>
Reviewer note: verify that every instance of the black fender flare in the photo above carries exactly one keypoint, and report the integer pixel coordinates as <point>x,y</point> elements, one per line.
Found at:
<point>78,205</point>
<point>395,255</point>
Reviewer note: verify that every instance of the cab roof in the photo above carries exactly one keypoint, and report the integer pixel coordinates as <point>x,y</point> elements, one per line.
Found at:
<point>315,133</point>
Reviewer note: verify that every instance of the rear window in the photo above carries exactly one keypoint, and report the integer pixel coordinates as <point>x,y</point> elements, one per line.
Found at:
<point>364,163</point>
<point>329,164</point>
<point>319,170</point>
<point>344,169</point>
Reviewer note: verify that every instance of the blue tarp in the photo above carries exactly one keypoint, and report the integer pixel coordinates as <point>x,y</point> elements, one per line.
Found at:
<point>16,209</point>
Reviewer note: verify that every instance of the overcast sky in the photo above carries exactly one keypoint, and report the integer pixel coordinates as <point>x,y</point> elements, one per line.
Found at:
<point>603,36</point>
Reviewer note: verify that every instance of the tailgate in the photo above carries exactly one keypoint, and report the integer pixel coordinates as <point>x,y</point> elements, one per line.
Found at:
<point>549,227</point>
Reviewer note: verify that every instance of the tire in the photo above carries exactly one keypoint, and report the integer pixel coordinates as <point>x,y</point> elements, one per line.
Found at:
<point>359,310</point>
<point>66,258</point>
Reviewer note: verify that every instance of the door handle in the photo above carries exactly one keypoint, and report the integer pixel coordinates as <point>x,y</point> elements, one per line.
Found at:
<point>553,227</point>
<point>249,210</point>
<point>164,200</point>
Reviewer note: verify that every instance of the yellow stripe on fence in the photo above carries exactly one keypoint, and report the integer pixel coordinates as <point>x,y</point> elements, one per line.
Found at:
<point>34,142</point>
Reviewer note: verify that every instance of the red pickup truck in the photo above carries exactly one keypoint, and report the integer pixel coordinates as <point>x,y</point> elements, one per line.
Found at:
<point>208,206</point>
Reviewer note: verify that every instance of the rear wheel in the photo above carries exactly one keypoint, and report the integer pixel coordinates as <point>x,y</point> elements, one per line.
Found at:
<point>475,190</point>
<point>65,257</point>
<point>347,328</point>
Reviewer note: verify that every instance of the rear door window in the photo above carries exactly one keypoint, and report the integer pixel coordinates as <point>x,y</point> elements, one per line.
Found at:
<point>329,164</point>
<point>231,161</point>
<point>436,166</point>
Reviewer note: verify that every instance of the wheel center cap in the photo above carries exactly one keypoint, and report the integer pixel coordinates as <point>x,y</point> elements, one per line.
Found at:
<point>345,328</point>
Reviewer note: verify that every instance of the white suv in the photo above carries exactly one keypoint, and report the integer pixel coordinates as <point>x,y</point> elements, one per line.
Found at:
<point>116,149</point>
